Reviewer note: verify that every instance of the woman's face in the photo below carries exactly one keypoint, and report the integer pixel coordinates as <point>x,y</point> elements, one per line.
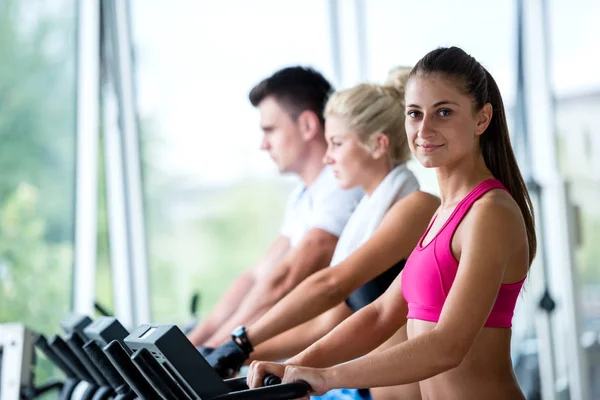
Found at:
<point>441,125</point>
<point>348,157</point>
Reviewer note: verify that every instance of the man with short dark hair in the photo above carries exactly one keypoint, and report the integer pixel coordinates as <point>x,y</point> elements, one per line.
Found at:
<point>291,104</point>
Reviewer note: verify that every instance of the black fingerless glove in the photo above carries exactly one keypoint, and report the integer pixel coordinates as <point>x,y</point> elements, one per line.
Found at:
<point>227,359</point>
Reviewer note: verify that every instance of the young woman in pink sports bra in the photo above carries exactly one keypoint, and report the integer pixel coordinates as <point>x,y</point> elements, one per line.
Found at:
<point>457,292</point>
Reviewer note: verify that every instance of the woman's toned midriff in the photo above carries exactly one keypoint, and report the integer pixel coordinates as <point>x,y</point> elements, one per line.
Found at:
<point>485,373</point>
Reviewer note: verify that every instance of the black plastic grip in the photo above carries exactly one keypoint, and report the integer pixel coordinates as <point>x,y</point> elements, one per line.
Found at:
<point>154,372</point>
<point>270,380</point>
<point>69,387</point>
<point>292,390</point>
<point>103,393</point>
<point>123,364</point>
<point>75,342</point>
<point>66,354</point>
<point>114,379</point>
<point>42,344</point>
<point>237,384</point>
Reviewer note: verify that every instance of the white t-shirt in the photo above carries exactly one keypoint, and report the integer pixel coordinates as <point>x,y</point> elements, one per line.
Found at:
<point>367,216</point>
<point>322,205</point>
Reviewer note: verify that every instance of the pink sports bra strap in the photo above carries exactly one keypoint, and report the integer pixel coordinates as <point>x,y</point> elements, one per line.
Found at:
<point>465,204</point>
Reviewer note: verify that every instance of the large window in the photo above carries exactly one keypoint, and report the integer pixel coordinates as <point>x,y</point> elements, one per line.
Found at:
<point>400,33</point>
<point>37,136</point>
<point>213,201</point>
<point>574,30</point>
<point>579,156</point>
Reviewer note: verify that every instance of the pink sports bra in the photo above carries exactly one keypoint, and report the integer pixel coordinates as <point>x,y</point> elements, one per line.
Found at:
<point>430,270</point>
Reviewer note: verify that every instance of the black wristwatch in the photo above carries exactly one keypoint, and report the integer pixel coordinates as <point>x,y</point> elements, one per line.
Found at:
<point>240,336</point>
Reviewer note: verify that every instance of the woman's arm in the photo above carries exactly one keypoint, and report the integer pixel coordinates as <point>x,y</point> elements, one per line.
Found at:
<point>299,338</point>
<point>395,238</point>
<point>359,334</point>
<point>492,237</point>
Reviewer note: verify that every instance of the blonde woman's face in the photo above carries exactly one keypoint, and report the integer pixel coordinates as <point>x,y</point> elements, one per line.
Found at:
<point>348,158</point>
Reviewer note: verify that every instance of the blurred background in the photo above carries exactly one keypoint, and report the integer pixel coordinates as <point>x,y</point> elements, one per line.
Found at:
<point>131,176</point>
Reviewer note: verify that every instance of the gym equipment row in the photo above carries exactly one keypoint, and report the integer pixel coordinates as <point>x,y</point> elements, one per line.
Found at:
<point>101,360</point>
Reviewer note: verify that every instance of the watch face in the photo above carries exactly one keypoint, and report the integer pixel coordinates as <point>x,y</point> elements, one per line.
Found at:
<point>239,331</point>
<point>241,339</point>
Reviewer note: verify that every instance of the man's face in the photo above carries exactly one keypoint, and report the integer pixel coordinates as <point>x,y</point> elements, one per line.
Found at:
<point>281,136</point>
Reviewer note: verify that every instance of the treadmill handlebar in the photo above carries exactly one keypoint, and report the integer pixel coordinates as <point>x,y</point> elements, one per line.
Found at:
<point>157,377</point>
<point>292,390</point>
<point>123,364</point>
<point>101,361</point>
<point>76,342</point>
<point>271,380</point>
<point>237,384</point>
<point>61,348</point>
<point>42,344</point>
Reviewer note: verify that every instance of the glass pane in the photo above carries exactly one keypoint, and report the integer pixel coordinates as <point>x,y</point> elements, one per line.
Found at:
<point>37,136</point>
<point>579,157</point>
<point>588,269</point>
<point>104,286</point>
<point>574,36</point>
<point>394,38</point>
<point>214,201</point>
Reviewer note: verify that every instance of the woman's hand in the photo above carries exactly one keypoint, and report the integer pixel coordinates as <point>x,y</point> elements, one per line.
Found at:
<point>259,369</point>
<point>315,377</point>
